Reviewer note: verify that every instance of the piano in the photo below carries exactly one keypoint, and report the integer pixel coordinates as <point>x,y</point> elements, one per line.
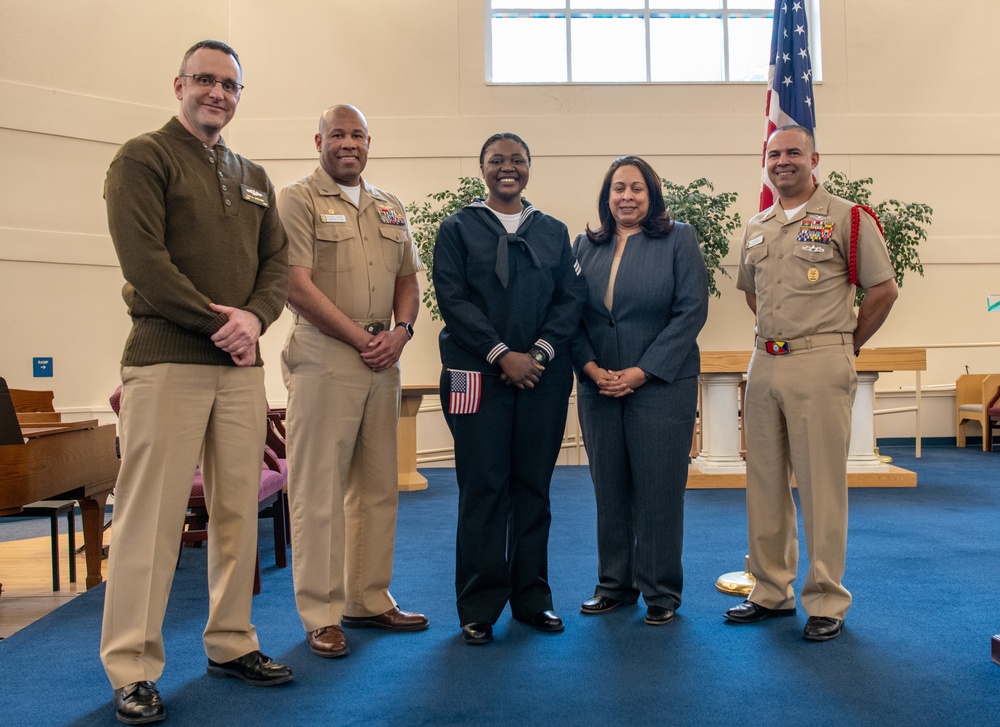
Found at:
<point>58,460</point>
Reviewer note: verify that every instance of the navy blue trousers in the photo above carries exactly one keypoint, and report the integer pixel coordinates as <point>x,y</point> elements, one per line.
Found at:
<point>504,458</point>
<point>638,447</point>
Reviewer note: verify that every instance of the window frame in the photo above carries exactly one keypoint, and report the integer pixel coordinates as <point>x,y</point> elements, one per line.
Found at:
<point>815,46</point>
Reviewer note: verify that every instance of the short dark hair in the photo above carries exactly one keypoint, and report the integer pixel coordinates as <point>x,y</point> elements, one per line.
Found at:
<point>504,135</point>
<point>212,45</point>
<point>656,224</point>
<point>806,131</point>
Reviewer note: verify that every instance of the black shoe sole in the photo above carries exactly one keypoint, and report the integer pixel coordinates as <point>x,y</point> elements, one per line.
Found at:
<point>141,720</point>
<point>600,611</point>
<point>219,673</point>
<point>824,637</point>
<point>775,613</point>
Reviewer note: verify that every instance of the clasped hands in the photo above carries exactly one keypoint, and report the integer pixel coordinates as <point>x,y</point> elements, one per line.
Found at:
<point>615,383</point>
<point>238,336</point>
<point>520,370</point>
<point>384,349</point>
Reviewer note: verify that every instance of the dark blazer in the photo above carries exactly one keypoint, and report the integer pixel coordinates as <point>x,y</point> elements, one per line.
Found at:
<point>660,305</point>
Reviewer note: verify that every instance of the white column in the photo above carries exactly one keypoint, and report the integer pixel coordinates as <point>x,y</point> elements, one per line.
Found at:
<point>720,425</point>
<point>861,456</point>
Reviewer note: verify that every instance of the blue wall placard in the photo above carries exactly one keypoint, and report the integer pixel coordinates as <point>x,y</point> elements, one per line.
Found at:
<point>42,366</point>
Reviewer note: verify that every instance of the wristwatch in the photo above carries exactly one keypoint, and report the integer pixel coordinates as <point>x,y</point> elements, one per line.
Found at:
<point>408,327</point>
<point>539,355</point>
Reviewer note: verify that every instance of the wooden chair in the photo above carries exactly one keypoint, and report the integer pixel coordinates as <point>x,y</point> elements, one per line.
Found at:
<point>972,396</point>
<point>992,420</point>
<point>272,500</point>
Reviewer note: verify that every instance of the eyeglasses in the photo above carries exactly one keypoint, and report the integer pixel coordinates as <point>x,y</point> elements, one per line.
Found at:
<point>206,81</point>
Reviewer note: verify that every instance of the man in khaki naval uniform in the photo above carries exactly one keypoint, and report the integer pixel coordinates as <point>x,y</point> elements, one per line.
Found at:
<point>353,268</point>
<point>795,269</point>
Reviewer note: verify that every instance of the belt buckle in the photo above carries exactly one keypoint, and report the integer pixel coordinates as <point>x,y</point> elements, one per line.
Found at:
<point>776,348</point>
<point>375,327</point>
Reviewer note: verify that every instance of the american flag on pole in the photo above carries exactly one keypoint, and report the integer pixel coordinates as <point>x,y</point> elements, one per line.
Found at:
<point>466,391</point>
<point>789,84</point>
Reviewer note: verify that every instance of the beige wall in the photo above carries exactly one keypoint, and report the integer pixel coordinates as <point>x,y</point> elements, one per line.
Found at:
<point>909,97</point>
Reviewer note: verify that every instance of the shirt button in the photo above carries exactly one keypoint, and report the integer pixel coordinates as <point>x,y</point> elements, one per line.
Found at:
<point>228,203</point>
<point>204,145</point>
<point>220,174</point>
<point>370,262</point>
<point>225,188</point>
<point>212,160</point>
<point>611,324</point>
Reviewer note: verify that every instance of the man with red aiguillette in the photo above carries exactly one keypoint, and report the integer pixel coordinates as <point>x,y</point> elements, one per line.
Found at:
<point>800,261</point>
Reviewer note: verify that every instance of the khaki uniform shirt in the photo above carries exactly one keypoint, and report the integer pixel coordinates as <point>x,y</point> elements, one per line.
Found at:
<point>799,268</point>
<point>355,253</point>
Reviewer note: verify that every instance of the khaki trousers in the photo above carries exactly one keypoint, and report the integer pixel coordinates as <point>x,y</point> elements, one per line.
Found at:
<point>798,420</point>
<point>172,416</point>
<point>342,477</point>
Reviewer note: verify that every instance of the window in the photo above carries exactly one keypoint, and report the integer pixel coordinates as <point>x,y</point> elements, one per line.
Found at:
<point>632,41</point>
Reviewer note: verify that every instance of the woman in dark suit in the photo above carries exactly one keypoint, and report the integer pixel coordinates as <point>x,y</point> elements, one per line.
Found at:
<point>637,361</point>
<point>511,297</point>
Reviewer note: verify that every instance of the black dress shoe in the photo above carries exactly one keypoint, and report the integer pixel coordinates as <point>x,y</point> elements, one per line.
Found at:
<point>477,633</point>
<point>253,668</point>
<point>600,604</point>
<point>822,628</point>
<point>658,615</point>
<point>749,612</point>
<point>139,703</point>
<point>546,621</point>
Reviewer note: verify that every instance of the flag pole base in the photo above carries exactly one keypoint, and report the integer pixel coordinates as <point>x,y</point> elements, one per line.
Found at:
<point>737,583</point>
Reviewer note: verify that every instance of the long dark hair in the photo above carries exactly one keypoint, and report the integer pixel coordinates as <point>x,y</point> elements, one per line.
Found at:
<point>656,224</point>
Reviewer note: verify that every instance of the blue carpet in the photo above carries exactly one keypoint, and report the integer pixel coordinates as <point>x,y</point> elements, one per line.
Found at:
<point>922,565</point>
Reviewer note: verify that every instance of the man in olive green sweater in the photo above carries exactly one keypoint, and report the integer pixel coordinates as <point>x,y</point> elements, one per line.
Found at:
<point>205,261</point>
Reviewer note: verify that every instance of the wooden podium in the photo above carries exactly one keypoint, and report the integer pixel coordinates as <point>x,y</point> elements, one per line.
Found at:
<point>406,437</point>
<point>719,463</point>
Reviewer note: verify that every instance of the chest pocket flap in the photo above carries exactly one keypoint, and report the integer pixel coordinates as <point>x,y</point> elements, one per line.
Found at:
<point>812,255</point>
<point>333,232</point>
<point>396,234</point>
<point>331,255</point>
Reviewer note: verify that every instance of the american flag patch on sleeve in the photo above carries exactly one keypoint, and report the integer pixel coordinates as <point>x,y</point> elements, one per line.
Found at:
<point>466,391</point>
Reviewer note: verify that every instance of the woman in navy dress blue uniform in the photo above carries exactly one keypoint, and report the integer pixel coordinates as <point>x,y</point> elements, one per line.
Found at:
<point>511,297</point>
<point>637,361</point>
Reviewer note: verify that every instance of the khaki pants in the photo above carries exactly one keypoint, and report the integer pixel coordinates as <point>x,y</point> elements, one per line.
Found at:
<point>342,477</point>
<point>798,420</point>
<point>172,417</point>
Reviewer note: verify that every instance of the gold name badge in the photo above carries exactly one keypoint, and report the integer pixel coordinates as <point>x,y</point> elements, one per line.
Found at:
<point>813,275</point>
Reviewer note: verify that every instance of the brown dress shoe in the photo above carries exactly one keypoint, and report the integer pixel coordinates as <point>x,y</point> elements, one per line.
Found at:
<point>328,642</point>
<point>392,620</point>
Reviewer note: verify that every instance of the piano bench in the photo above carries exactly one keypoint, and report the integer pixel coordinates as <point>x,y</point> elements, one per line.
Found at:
<point>52,509</point>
